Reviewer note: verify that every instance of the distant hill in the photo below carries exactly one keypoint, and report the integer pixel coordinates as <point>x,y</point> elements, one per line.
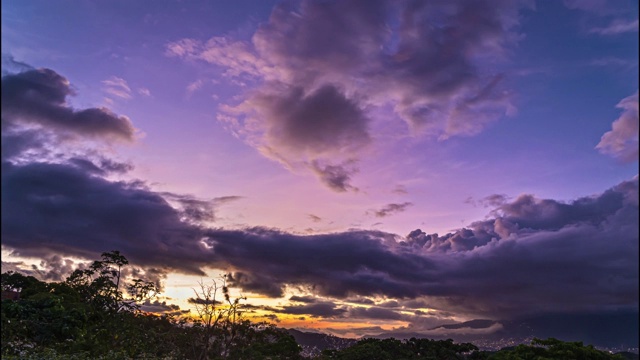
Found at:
<point>314,343</point>
<point>628,355</point>
<point>615,329</point>
<point>473,324</point>
<point>609,330</point>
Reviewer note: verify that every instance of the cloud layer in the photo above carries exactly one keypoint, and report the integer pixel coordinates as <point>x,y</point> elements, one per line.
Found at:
<point>38,97</point>
<point>320,72</point>
<point>529,256</point>
<point>533,255</point>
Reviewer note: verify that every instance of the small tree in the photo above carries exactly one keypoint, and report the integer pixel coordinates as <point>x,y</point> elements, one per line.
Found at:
<point>219,321</point>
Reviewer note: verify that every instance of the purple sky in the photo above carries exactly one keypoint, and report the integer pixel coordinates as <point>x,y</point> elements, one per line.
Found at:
<point>353,163</point>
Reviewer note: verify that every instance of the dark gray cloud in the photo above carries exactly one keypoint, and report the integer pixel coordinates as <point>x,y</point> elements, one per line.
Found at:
<point>318,70</point>
<point>39,97</point>
<point>336,177</point>
<point>314,123</point>
<point>197,211</point>
<point>374,312</point>
<point>535,254</point>
<point>51,268</point>
<point>17,142</point>
<point>391,209</point>
<point>360,300</point>
<point>159,307</point>
<point>68,210</point>
<point>193,209</point>
<point>303,299</point>
<point>10,65</point>
<point>253,281</point>
<point>200,301</point>
<point>226,199</point>
<point>60,203</point>
<point>100,166</point>
<point>320,309</point>
<point>333,264</point>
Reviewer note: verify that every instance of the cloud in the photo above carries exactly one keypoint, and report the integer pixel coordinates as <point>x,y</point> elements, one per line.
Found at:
<point>38,97</point>
<point>533,254</point>
<point>400,190</point>
<point>320,309</point>
<point>618,26</point>
<point>614,62</point>
<point>391,209</point>
<point>533,250</point>
<point>195,210</point>
<point>374,312</point>
<point>161,307</point>
<point>144,92</point>
<point>117,87</point>
<point>594,6</point>
<point>253,281</point>
<point>617,12</point>
<point>336,177</point>
<point>304,299</point>
<point>317,73</point>
<point>492,200</point>
<point>562,256</point>
<point>530,255</point>
<point>621,141</point>
<point>323,121</point>
<point>200,301</point>
<point>194,86</point>
<point>68,210</point>
<point>68,205</point>
<point>11,65</point>
<point>314,218</point>
<point>226,199</point>
<point>101,166</point>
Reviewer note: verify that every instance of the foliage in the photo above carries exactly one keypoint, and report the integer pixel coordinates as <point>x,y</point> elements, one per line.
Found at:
<point>553,349</point>
<point>377,349</point>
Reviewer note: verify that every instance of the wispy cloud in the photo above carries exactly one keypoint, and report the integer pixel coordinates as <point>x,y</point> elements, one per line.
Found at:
<point>144,92</point>
<point>336,177</point>
<point>618,26</point>
<point>391,209</point>
<point>622,140</point>
<point>194,86</point>
<point>615,62</point>
<point>117,87</point>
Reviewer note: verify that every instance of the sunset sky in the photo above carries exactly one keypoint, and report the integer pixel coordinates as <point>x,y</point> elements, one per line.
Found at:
<point>356,166</point>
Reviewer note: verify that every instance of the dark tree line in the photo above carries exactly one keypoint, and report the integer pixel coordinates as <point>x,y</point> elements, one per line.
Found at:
<point>426,349</point>
<point>88,316</point>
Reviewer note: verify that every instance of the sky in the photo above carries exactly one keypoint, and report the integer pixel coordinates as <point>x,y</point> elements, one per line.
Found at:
<point>354,166</point>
